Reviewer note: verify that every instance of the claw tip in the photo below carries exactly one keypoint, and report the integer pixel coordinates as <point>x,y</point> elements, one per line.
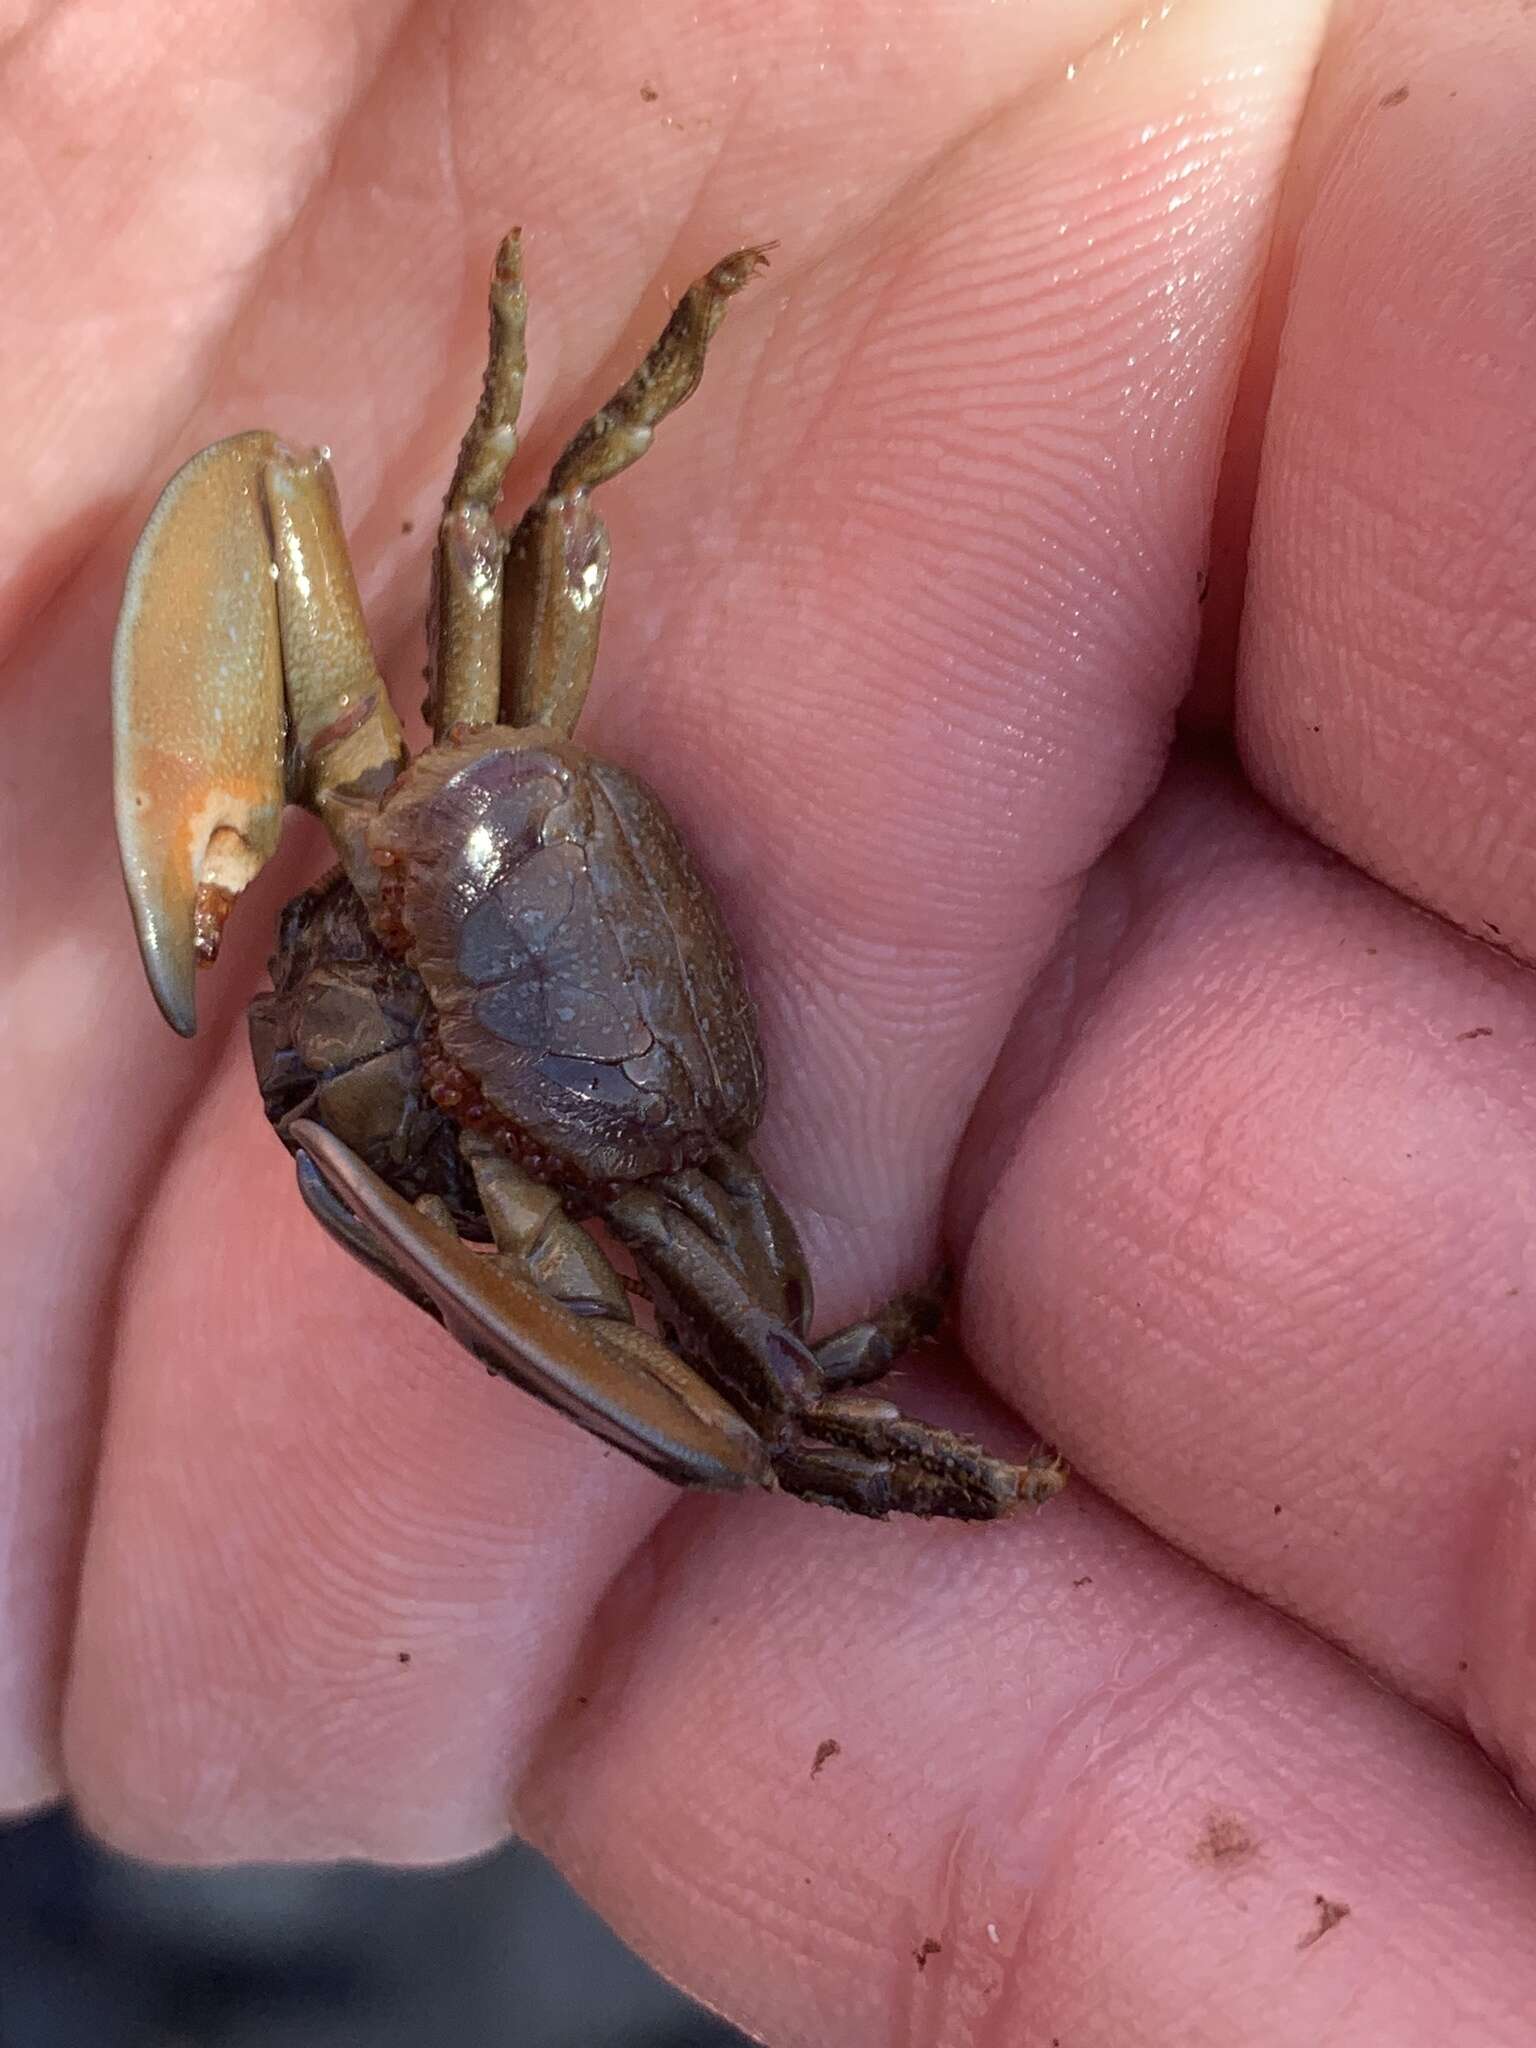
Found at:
<point>173,985</point>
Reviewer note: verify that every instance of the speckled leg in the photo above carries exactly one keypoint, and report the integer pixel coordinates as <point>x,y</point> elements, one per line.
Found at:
<point>864,1455</point>
<point>557,562</point>
<point>464,620</point>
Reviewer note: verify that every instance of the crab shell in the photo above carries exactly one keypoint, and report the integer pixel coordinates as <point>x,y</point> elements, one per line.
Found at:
<point>590,1008</point>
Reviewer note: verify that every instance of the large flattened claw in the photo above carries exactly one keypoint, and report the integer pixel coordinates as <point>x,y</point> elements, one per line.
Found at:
<point>611,1377</point>
<point>198,718</point>
<point>241,675</point>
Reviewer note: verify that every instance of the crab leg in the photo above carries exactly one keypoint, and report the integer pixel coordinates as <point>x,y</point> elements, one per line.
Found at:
<point>613,1378</point>
<point>752,1350</point>
<point>867,1350</point>
<point>873,1460</point>
<point>557,561</point>
<point>241,677</point>
<point>464,616</point>
<point>843,1448</point>
<point>733,1204</point>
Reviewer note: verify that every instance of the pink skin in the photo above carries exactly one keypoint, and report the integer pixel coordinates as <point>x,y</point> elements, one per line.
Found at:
<point>1238,1145</point>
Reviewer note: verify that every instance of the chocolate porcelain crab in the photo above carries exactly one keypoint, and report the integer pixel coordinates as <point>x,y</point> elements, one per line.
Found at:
<point>514,1006</point>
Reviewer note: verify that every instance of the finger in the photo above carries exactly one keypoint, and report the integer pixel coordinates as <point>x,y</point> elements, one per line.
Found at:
<point>1258,1259</point>
<point>336,1570</point>
<point>1054,1788</point>
<point>1384,686</point>
<point>124,268</point>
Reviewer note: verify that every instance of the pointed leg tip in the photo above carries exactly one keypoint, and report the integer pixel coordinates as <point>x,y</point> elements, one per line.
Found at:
<point>509,258</point>
<point>1041,1480</point>
<point>737,271</point>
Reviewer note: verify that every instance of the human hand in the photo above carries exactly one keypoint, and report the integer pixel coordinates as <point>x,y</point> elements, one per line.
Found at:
<point>1234,1144</point>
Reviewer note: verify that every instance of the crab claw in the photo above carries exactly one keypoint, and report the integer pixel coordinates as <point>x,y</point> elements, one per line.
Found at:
<point>241,674</point>
<point>197,713</point>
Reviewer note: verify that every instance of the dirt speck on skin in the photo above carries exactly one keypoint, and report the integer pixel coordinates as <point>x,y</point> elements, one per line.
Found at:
<point>403,1656</point>
<point>1477,1031</point>
<point>1394,98</point>
<point>1329,1913</point>
<point>1224,1839</point>
<point>926,1949</point>
<point>649,93</point>
<point>825,1751</point>
<point>1085,1580</point>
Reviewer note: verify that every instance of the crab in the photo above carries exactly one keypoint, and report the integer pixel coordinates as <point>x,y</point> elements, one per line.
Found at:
<point>512,1017</point>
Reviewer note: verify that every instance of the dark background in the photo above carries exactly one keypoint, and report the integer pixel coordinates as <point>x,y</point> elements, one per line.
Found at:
<point>97,1951</point>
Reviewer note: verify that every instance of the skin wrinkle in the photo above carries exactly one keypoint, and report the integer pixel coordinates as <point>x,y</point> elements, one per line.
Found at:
<point>23,27</point>
<point>1112,1717</point>
<point>602,1652</point>
<point>1111,915</point>
<point>1121,916</point>
<point>1478,840</point>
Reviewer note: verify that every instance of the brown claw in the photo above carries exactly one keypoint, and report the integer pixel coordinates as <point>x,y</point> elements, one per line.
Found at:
<point>610,1377</point>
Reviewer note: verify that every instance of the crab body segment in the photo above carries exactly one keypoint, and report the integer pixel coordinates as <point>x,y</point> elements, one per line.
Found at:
<point>515,1006</point>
